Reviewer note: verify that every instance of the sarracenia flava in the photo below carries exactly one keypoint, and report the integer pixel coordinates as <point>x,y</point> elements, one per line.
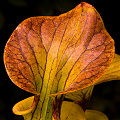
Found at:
<point>58,57</point>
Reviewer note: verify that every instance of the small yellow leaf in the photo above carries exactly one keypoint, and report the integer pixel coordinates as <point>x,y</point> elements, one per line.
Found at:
<point>25,106</point>
<point>95,115</point>
<point>113,71</point>
<point>72,111</point>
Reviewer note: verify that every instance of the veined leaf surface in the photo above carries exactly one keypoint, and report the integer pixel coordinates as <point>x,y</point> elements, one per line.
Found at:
<point>72,49</point>
<point>55,55</point>
<point>113,71</point>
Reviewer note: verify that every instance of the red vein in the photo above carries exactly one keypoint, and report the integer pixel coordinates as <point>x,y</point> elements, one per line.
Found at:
<point>87,66</point>
<point>24,56</point>
<point>82,52</point>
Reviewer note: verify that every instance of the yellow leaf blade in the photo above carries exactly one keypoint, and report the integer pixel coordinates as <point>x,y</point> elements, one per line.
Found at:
<point>71,111</point>
<point>95,115</point>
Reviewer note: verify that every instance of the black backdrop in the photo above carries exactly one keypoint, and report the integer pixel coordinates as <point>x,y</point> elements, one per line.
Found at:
<point>106,96</point>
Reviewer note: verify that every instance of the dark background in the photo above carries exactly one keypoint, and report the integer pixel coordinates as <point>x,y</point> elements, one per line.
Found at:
<point>106,96</point>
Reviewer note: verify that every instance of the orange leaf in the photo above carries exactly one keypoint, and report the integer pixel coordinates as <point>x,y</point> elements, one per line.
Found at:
<point>63,53</point>
<point>57,55</point>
